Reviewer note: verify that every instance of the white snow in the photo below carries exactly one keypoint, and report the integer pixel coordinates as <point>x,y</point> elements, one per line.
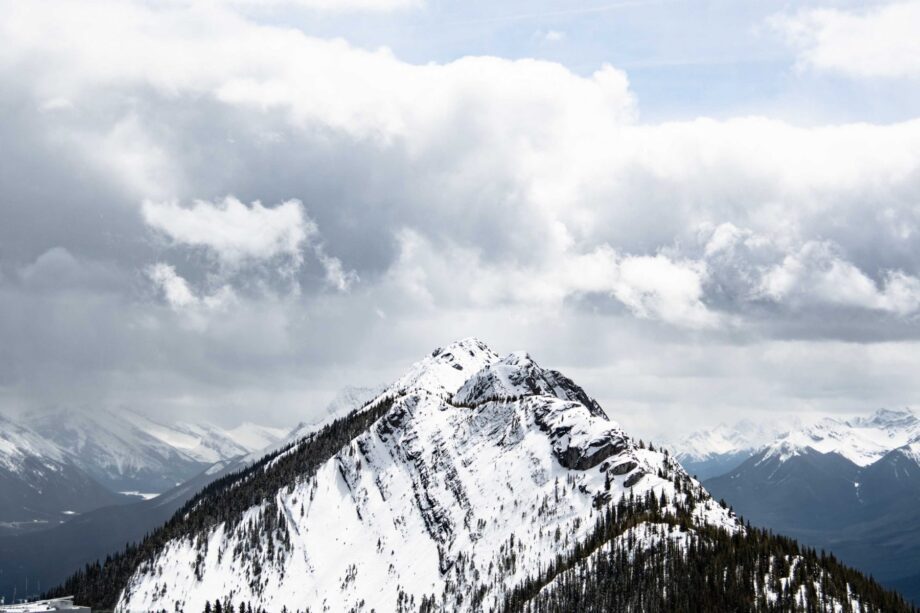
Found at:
<point>141,495</point>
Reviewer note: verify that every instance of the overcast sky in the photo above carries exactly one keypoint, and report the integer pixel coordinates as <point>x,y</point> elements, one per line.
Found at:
<point>227,210</point>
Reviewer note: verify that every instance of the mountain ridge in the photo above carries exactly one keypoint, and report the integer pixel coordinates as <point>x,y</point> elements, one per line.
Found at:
<point>478,469</point>
<point>125,451</point>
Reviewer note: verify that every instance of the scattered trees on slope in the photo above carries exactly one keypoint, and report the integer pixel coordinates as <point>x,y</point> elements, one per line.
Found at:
<point>100,584</point>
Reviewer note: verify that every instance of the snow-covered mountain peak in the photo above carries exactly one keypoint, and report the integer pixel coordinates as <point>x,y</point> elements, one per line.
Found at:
<point>911,450</point>
<point>862,440</point>
<point>724,439</point>
<point>517,375</point>
<point>447,368</point>
<point>465,459</point>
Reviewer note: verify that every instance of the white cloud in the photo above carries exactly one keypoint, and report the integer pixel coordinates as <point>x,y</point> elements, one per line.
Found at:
<point>661,288</point>
<point>127,150</point>
<point>238,235</point>
<point>181,298</point>
<point>505,181</point>
<point>514,200</point>
<point>882,41</point>
<point>336,275</point>
<point>175,289</point>
<point>654,287</point>
<point>816,274</point>
<point>56,104</point>
<point>233,231</point>
<point>202,49</point>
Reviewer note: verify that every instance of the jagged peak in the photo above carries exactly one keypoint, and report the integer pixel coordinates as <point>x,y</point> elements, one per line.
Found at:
<point>446,369</point>
<point>517,375</point>
<point>468,344</point>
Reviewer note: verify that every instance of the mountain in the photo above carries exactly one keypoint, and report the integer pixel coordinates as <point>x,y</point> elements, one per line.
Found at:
<point>474,482</point>
<point>848,486</point>
<point>862,440</point>
<point>207,443</point>
<point>807,490</point>
<point>715,451</point>
<point>39,486</point>
<point>125,451</point>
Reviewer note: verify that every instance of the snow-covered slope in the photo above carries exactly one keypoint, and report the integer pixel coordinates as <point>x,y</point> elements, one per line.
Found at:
<point>118,453</point>
<point>254,437</point>
<point>745,435</point>
<point>207,443</point>
<point>862,440</point>
<point>18,443</point>
<point>475,459</point>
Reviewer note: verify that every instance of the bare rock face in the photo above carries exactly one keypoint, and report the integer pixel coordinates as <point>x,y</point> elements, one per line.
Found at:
<point>622,469</point>
<point>583,458</point>
<point>517,376</point>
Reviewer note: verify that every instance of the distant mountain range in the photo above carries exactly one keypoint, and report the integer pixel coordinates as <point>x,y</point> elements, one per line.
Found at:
<point>851,486</point>
<point>713,452</point>
<point>128,452</point>
<point>61,463</point>
<point>40,485</point>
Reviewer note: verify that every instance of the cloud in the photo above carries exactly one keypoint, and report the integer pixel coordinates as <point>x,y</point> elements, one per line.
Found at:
<point>817,274</point>
<point>514,200</point>
<point>175,289</point>
<point>238,236</point>
<point>654,287</point>
<point>661,288</point>
<point>233,231</point>
<point>336,275</point>
<point>877,42</point>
